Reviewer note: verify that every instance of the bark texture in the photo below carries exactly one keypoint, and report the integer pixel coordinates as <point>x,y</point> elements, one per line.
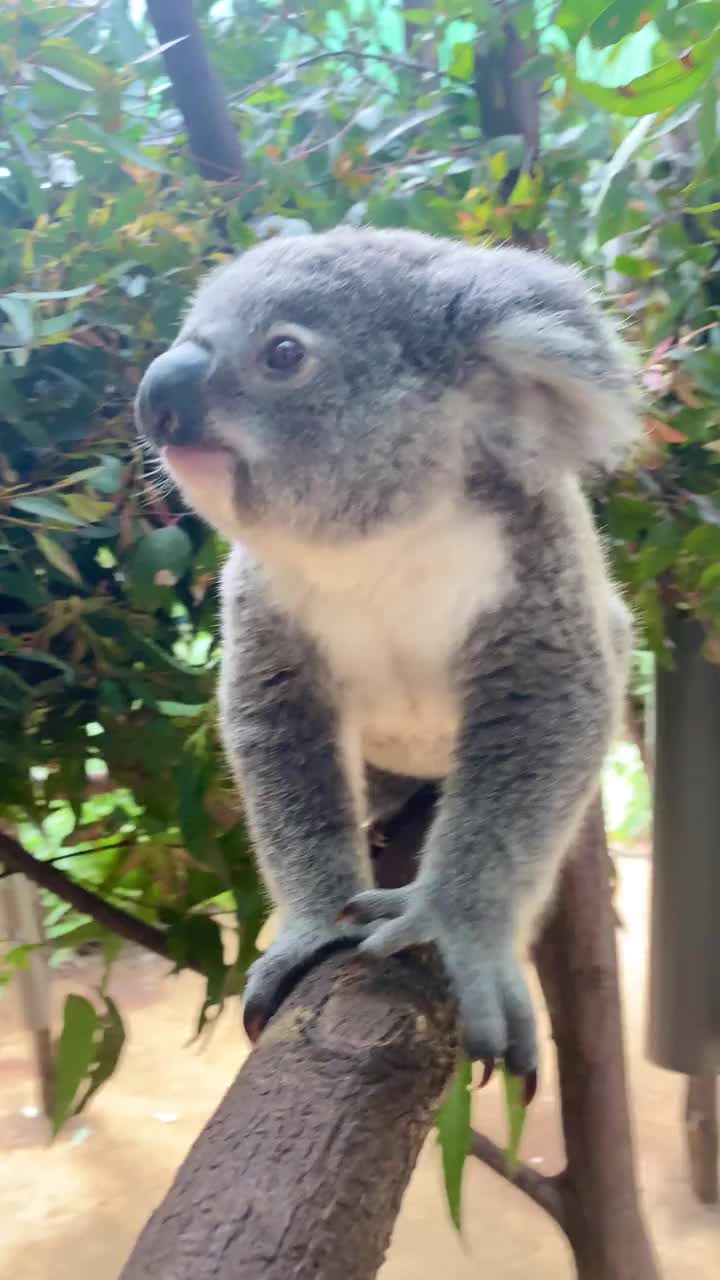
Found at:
<point>302,1168</point>
<point>577,963</point>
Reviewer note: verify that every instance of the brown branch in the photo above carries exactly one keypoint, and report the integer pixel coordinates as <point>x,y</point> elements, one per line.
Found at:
<point>213,139</point>
<point>577,963</point>
<point>50,877</point>
<point>547,1192</point>
<point>635,725</point>
<point>302,1168</point>
<point>701,1132</point>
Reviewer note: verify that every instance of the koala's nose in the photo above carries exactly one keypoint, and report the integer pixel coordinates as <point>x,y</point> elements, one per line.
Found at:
<point>170,404</point>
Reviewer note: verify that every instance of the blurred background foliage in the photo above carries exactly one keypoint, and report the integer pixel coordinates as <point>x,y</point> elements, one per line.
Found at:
<point>586,127</point>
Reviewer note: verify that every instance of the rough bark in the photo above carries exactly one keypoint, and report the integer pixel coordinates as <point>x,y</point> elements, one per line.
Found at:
<point>214,144</point>
<point>701,1128</point>
<point>302,1168</point>
<point>577,963</point>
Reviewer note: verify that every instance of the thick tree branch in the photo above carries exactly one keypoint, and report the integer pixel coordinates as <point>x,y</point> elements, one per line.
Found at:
<point>547,1192</point>
<point>214,143</point>
<point>302,1168</point>
<point>50,877</point>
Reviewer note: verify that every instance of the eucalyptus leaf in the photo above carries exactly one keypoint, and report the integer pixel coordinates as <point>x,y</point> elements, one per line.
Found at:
<point>454,1134</point>
<point>74,1055</point>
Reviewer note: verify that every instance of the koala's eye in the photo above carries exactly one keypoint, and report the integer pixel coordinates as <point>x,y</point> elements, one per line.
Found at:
<point>283,354</point>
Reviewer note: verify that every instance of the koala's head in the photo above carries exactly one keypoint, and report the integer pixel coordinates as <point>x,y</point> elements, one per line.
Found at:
<point>326,383</point>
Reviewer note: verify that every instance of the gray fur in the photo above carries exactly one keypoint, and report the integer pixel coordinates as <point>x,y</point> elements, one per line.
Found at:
<point>450,400</point>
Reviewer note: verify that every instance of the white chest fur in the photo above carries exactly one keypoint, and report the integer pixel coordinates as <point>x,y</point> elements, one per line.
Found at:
<point>390,613</point>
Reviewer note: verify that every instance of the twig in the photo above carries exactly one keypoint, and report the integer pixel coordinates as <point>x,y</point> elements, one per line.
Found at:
<point>352,55</point>
<point>56,881</point>
<point>547,1192</point>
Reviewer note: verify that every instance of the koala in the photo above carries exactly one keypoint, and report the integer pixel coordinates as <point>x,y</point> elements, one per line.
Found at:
<point>391,431</point>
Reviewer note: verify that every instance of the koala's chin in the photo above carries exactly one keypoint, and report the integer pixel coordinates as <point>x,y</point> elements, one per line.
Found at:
<point>211,481</point>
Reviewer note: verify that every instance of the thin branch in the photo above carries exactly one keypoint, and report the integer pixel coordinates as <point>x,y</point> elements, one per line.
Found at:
<point>547,1192</point>
<point>350,55</point>
<point>47,876</point>
<point>636,729</point>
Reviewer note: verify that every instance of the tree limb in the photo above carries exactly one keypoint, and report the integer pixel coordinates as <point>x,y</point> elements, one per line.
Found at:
<point>50,877</point>
<point>577,963</point>
<point>547,1192</point>
<point>302,1168</point>
<point>214,143</point>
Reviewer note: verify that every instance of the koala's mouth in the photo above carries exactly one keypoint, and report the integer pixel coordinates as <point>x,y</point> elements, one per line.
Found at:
<point>203,460</point>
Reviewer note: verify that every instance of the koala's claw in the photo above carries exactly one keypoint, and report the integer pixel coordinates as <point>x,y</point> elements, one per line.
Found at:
<point>495,1006</point>
<point>274,975</point>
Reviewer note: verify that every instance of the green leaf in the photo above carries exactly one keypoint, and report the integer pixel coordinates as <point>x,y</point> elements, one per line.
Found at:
<point>516,1113</point>
<point>454,1134</point>
<point>419,17</point>
<point>666,86</point>
<point>49,295</point>
<point>107,1051</point>
<point>402,126</point>
<point>632,141</point>
<point>48,509</point>
<point>83,131</point>
<point>638,268</point>
<point>610,214</point>
<point>66,56</point>
<point>160,559</point>
<point>62,77</point>
<point>73,1056</point>
<point>707,120</point>
<point>576,16</point>
<point>617,21</point>
<point>462,61</point>
<point>196,942</point>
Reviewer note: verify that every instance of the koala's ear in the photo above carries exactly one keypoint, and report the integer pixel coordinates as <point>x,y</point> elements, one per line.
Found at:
<point>555,388</point>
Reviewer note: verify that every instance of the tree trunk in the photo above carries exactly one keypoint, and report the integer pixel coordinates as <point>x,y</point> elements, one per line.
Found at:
<point>577,963</point>
<point>214,144</point>
<point>302,1168</point>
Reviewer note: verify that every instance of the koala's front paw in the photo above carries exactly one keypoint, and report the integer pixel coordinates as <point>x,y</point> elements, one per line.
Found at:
<point>271,978</point>
<point>495,1006</point>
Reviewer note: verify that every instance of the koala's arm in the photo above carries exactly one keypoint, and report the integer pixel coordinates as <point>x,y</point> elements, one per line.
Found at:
<point>282,732</point>
<point>539,696</point>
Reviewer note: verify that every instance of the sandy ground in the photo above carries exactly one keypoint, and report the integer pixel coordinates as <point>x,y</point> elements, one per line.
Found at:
<point>71,1212</point>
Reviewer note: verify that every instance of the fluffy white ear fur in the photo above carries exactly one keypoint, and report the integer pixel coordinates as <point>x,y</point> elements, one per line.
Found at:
<point>575,400</point>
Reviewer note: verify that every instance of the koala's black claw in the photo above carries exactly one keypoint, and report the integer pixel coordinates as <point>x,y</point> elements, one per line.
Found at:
<point>278,971</point>
<point>488,1072</point>
<point>254,1024</point>
<point>531,1084</point>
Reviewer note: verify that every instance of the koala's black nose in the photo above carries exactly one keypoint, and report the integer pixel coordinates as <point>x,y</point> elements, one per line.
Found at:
<point>170,404</point>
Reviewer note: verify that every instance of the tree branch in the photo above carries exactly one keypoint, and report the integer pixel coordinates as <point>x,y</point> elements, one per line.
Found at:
<point>577,963</point>
<point>214,143</point>
<point>302,1168</point>
<point>547,1192</point>
<point>50,877</point>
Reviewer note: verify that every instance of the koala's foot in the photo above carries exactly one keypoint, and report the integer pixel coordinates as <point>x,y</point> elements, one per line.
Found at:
<point>279,969</point>
<point>495,1006</point>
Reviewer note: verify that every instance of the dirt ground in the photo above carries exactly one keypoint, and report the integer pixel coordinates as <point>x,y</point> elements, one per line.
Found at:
<point>71,1212</point>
